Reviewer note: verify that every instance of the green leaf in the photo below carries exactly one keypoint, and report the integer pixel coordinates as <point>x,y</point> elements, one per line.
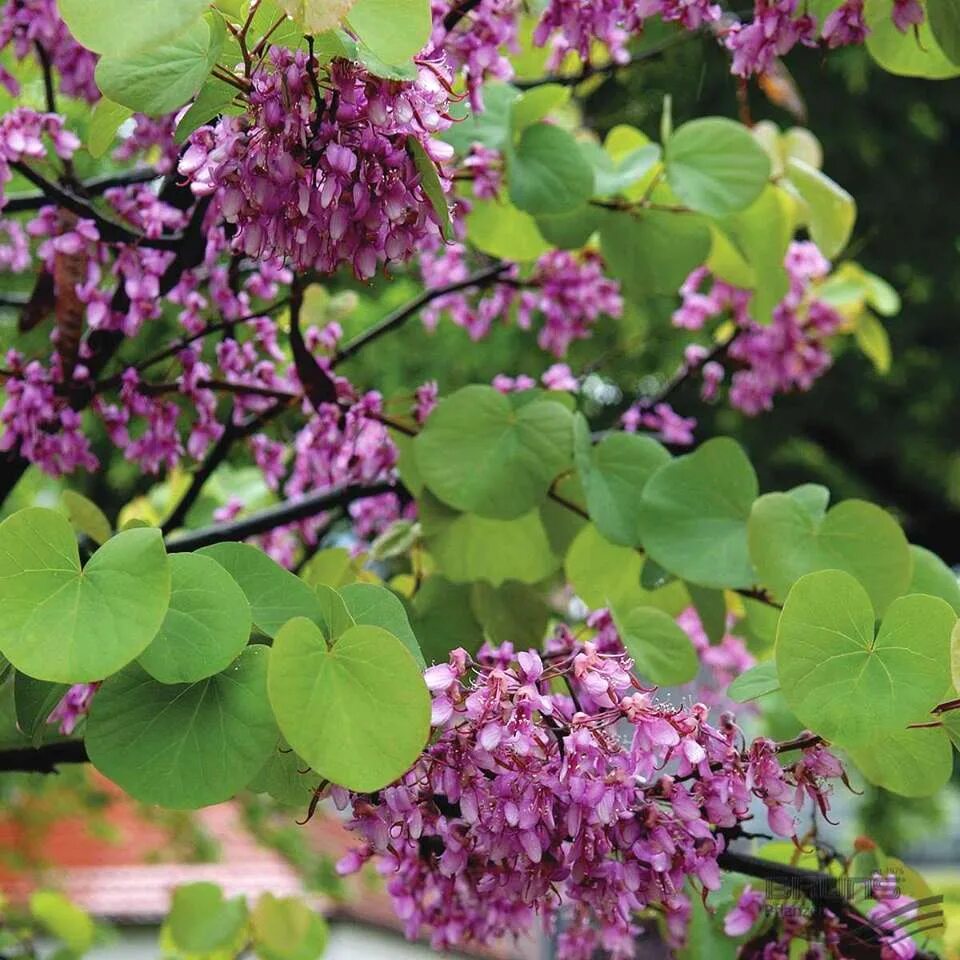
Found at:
<point>86,517</point>
<point>359,712</point>
<point>334,619</point>
<point>786,542</point>
<point>275,595</point>
<point>614,473</point>
<point>119,26</point>
<point>912,763</point>
<point>910,54</point>
<point>489,127</point>
<point>430,183</point>
<point>316,16</point>
<point>34,701</point>
<point>334,567</point>
<point>727,261</point>
<point>763,232</point>
<point>285,928</point>
<point>757,682</point>
<point>661,650</point>
<point>395,30</point>
<point>872,338</point>
<point>844,681</point>
<point>183,745</point>
<point>511,613</point>
<point>944,17</point>
<point>286,777</point>
<point>533,105</point>
<point>201,920</point>
<point>616,175</point>
<point>694,513</point>
<point>162,77</point>
<point>480,454</point>
<point>65,920</point>
<point>931,575</point>
<point>547,171</point>
<point>497,227</point>
<point>105,119</point>
<point>714,165</point>
<point>376,606</point>
<point>711,607</point>
<point>444,619</point>
<point>832,211</point>
<point>213,98</point>
<point>206,626</point>
<point>570,230</point>
<point>653,252</point>
<point>467,547</point>
<point>63,624</point>
<point>955,656</point>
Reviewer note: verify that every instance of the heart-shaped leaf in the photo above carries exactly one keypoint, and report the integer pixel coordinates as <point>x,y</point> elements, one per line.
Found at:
<point>481,454</point>
<point>756,682</point>
<point>377,606</point>
<point>183,745</point>
<point>206,626</point>
<point>787,541</point>
<point>71,625</point>
<point>693,516</point>
<point>358,712</point>
<point>912,763</point>
<point>844,680</point>
<point>661,650</point>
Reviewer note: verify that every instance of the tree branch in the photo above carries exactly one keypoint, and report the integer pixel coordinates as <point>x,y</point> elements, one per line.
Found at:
<point>110,230</point>
<point>42,759</point>
<point>399,317</point>
<point>277,516</point>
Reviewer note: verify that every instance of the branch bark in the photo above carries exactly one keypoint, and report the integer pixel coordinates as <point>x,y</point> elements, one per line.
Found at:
<point>43,759</point>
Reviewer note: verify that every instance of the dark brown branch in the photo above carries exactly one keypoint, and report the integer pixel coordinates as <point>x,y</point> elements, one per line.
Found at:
<point>399,317</point>
<point>277,516</point>
<point>43,759</point>
<point>47,69</point>
<point>91,188</point>
<point>458,12</point>
<point>110,230</point>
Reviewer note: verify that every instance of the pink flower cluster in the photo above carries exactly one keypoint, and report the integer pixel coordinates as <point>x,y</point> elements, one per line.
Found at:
<point>26,25</point>
<point>599,804</point>
<point>565,294</point>
<point>328,181</point>
<point>789,353</point>
<point>24,135</point>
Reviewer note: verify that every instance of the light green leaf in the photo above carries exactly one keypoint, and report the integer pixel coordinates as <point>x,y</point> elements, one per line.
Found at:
<point>931,575</point>
<point>183,745</point>
<point>359,712</point>
<point>715,166</point>
<point>479,454</point>
<point>612,176</point>
<point>497,227</point>
<point>727,261</point>
<point>86,517</point>
<point>547,171</point>
<point>653,252</point>
<point>533,105</point>
<point>431,186</point>
<point>316,16</point>
<point>872,338</point>
<point>64,919</point>
<point>906,54</point>
<point>694,513</point>
<point>955,656</point>
<point>201,920</point>
<point>206,626</point>
<point>661,651</point>
<point>489,127</point>
<point>286,777</point>
<point>467,547</point>
<point>285,928</point>
<point>614,473</point>
<point>213,98</point>
<point>375,606</point>
<point>395,30</point>
<point>757,682</point>
<point>275,595</point>
<point>121,26</point>
<point>63,624</point>
<point>832,211</point>
<point>911,763</point>
<point>334,619</point>
<point>105,119</point>
<point>813,497</point>
<point>844,681</point>
<point>786,542</point>
<point>334,567</point>
<point>162,77</point>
